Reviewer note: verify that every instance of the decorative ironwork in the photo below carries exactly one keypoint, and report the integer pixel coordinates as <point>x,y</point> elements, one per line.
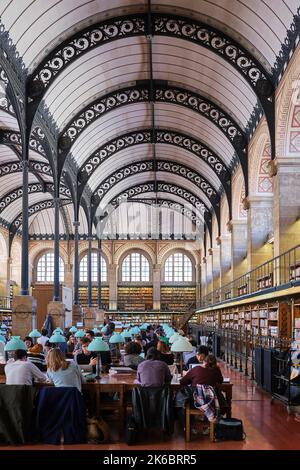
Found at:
<point>162,136</point>
<point>172,205</point>
<point>80,43</point>
<point>136,25</point>
<point>139,189</point>
<point>17,193</point>
<point>105,104</point>
<point>33,209</point>
<point>290,43</point>
<point>169,188</point>
<point>163,93</point>
<point>8,137</point>
<point>5,102</point>
<point>158,165</point>
<point>218,42</point>
<point>16,167</point>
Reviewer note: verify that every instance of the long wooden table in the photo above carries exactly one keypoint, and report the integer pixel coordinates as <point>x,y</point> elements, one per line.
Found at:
<point>122,383</point>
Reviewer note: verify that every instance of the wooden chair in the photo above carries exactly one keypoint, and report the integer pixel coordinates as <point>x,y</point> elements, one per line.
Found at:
<point>196,412</point>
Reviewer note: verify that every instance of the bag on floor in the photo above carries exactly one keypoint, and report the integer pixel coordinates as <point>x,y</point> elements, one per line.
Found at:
<point>229,429</point>
<point>131,431</point>
<point>97,430</point>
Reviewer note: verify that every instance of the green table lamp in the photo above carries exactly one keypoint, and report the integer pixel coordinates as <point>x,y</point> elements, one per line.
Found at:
<point>180,346</point>
<point>34,334</point>
<point>14,344</point>
<point>97,346</point>
<point>73,329</point>
<point>57,338</point>
<point>79,334</point>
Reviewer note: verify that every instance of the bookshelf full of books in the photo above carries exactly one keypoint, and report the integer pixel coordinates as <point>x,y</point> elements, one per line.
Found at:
<point>83,296</point>
<point>178,298</point>
<point>135,298</point>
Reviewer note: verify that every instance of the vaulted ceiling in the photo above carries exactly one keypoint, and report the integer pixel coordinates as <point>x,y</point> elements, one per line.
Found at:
<point>158,93</point>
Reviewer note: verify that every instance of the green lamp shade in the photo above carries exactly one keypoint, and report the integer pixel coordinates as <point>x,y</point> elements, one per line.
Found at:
<point>134,330</point>
<point>15,343</point>
<point>98,345</point>
<point>104,330</point>
<point>116,338</point>
<point>79,334</point>
<point>57,338</point>
<point>181,345</point>
<point>58,331</point>
<point>34,334</point>
<point>169,333</point>
<point>96,330</point>
<point>126,334</point>
<point>144,326</point>
<point>174,337</point>
<point>73,329</point>
<point>2,339</point>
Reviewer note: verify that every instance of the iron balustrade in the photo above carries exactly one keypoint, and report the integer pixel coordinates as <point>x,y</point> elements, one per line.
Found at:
<point>283,270</point>
<point>236,347</point>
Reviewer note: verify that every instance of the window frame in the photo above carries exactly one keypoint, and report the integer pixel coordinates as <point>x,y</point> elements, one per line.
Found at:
<point>175,269</point>
<point>48,268</point>
<point>94,256</point>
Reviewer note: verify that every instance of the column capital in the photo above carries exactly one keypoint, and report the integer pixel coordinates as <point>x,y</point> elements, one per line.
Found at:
<point>89,239</point>
<point>210,251</point>
<point>272,168</point>
<point>218,240</point>
<point>204,260</point>
<point>246,204</point>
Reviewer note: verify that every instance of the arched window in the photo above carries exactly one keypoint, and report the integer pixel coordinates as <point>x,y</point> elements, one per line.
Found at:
<point>135,268</point>
<point>45,268</point>
<point>178,268</point>
<point>83,269</point>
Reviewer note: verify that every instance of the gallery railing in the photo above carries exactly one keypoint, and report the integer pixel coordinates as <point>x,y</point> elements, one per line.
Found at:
<point>283,270</point>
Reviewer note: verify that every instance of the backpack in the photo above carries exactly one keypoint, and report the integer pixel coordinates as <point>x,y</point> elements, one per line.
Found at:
<point>97,430</point>
<point>229,429</point>
<point>130,431</point>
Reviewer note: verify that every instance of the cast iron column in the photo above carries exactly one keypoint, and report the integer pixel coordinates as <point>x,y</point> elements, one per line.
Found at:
<point>76,263</point>
<point>56,249</point>
<point>25,237</point>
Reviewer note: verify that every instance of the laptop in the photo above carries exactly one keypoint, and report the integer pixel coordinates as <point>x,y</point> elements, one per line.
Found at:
<point>191,366</point>
<point>85,367</point>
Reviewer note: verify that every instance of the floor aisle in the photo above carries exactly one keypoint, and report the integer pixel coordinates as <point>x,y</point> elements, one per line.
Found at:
<point>268,426</point>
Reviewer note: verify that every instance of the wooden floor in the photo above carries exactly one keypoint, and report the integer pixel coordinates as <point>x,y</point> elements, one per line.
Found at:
<point>268,426</point>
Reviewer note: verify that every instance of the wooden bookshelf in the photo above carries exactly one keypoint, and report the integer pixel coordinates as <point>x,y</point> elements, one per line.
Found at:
<point>83,296</point>
<point>177,298</point>
<point>136,298</point>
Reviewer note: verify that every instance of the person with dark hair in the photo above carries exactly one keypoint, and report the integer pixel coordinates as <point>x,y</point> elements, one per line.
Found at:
<point>199,358</point>
<point>132,356</point>
<point>90,334</point>
<point>44,338</point>
<point>152,372</point>
<point>28,341</point>
<point>164,353</point>
<point>209,374</point>
<point>19,371</point>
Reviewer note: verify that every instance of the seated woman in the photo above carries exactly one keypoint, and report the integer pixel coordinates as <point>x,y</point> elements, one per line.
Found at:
<point>164,353</point>
<point>152,372</point>
<point>61,372</point>
<point>36,356</point>
<point>132,356</point>
<point>210,374</point>
<point>207,375</point>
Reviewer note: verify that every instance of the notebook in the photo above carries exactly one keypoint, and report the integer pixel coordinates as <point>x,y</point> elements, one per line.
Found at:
<point>226,380</point>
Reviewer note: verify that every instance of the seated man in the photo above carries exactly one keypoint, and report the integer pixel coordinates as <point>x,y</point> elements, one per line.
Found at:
<point>19,371</point>
<point>152,372</point>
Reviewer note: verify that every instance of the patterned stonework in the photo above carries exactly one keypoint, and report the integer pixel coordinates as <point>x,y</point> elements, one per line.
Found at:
<point>242,211</point>
<point>265,182</point>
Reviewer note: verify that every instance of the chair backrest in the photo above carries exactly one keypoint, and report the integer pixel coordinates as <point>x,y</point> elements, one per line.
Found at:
<point>153,407</point>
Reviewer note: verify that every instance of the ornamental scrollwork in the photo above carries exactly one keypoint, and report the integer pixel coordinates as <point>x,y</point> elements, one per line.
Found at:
<point>84,41</point>
<point>110,148</point>
<point>163,188</point>
<point>148,166</point>
<point>103,105</point>
<point>206,36</point>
